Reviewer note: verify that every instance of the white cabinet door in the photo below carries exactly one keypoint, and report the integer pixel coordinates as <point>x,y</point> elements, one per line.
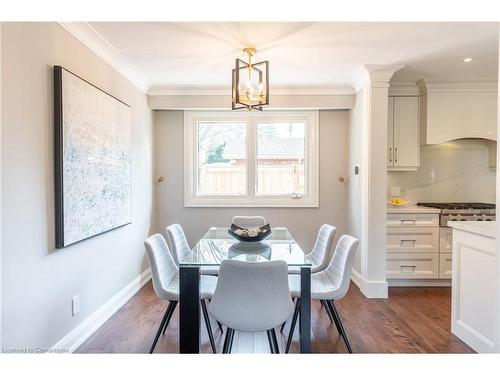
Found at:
<point>406,132</point>
<point>390,133</point>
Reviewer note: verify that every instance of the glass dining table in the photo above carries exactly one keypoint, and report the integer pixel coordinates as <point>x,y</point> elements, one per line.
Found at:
<point>216,246</point>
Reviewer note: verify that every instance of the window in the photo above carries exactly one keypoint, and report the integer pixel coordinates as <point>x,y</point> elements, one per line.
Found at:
<point>248,159</point>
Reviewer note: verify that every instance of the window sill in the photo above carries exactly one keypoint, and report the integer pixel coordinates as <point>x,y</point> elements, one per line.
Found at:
<point>304,202</point>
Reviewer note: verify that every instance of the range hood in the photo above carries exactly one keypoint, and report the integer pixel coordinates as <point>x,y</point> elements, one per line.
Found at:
<point>456,110</point>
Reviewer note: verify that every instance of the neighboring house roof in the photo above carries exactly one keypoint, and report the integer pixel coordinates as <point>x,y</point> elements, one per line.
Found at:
<point>268,148</point>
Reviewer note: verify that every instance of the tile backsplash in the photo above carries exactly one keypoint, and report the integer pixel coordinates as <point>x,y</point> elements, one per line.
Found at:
<point>456,171</point>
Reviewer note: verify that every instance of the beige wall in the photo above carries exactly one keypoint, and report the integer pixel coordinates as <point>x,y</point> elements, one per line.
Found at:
<point>303,222</point>
<point>38,281</point>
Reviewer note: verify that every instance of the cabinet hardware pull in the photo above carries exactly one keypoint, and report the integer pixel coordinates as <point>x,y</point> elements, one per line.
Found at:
<point>390,154</point>
<point>408,221</point>
<point>407,268</point>
<point>396,155</point>
<point>411,242</point>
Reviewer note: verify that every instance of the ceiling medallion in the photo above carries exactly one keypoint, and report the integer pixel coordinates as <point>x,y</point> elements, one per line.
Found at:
<point>250,88</point>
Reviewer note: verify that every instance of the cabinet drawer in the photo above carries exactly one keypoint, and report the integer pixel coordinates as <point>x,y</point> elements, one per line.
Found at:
<point>413,220</point>
<point>445,240</point>
<point>445,266</point>
<point>413,239</point>
<point>412,265</point>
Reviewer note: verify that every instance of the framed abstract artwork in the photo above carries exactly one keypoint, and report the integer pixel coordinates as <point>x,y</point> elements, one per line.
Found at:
<point>92,140</point>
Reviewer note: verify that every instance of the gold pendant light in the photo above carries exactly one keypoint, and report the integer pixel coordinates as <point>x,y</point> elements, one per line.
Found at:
<point>250,87</point>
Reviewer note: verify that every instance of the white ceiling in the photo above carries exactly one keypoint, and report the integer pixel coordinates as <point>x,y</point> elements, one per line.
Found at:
<point>303,54</point>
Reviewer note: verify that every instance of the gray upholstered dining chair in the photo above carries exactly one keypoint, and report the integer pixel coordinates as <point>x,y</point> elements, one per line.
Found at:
<point>165,274</point>
<point>249,221</point>
<point>328,285</point>
<point>319,256</point>
<point>180,248</point>
<point>252,297</point>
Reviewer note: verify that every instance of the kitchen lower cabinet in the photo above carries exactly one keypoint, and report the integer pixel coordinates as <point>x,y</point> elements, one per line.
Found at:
<point>416,239</point>
<point>414,248</point>
<point>412,265</point>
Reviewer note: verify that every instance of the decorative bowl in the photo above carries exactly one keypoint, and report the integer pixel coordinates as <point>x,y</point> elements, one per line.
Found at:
<point>263,233</point>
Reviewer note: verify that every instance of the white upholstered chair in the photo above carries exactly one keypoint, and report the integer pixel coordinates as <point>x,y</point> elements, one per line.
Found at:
<point>180,248</point>
<point>249,221</point>
<point>165,274</point>
<point>252,297</point>
<point>328,285</point>
<point>319,256</point>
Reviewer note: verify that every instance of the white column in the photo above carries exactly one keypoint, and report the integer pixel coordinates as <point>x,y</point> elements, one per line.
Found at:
<point>374,84</point>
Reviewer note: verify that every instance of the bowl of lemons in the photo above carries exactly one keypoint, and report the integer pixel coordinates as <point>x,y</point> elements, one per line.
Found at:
<point>398,201</point>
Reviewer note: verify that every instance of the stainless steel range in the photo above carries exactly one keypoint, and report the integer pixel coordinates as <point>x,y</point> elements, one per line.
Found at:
<point>463,212</point>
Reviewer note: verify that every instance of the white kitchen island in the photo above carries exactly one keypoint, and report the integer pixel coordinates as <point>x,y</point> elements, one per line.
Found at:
<point>473,283</point>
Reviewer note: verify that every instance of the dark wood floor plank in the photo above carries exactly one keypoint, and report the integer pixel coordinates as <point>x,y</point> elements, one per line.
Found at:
<point>411,320</point>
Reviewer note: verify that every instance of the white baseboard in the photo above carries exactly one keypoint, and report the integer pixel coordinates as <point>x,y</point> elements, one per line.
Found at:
<point>419,282</point>
<point>471,337</point>
<point>371,289</point>
<point>84,330</point>
<point>357,278</point>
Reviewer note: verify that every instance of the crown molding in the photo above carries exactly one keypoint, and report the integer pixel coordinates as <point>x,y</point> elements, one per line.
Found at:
<point>468,86</point>
<point>375,75</point>
<point>91,38</point>
<point>198,90</point>
<point>382,73</point>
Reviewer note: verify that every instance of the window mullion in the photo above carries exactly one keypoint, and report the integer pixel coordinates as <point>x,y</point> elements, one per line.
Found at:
<point>251,156</point>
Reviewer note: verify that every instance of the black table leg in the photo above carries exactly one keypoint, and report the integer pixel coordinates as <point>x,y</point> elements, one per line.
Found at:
<point>189,309</point>
<point>305,310</point>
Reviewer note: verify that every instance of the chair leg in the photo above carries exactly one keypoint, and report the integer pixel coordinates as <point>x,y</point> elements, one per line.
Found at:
<point>282,326</point>
<point>228,341</point>
<point>164,323</point>
<point>208,325</point>
<point>327,309</point>
<point>220,327</point>
<point>275,341</point>
<point>270,341</point>
<point>340,326</point>
<point>292,325</point>
<point>170,315</point>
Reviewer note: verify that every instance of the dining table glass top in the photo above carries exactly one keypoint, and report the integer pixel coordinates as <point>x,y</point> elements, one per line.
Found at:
<point>217,245</point>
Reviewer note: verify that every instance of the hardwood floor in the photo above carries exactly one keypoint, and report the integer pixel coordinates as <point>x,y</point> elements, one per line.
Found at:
<point>411,320</point>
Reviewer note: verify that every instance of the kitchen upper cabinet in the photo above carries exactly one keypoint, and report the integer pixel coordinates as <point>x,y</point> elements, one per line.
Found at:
<point>403,141</point>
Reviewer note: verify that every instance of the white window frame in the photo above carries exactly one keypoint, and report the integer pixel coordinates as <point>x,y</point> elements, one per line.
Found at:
<point>309,199</point>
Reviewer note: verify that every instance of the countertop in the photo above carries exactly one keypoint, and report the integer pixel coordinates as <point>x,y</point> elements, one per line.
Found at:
<point>412,209</point>
<point>483,228</point>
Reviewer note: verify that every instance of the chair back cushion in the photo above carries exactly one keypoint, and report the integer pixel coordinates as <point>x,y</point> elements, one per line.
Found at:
<point>249,221</point>
<point>339,269</point>
<point>178,242</point>
<point>252,296</point>
<point>163,267</point>
<point>320,254</point>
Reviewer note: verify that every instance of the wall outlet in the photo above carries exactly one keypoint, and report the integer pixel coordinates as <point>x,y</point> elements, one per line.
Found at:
<point>75,304</point>
<point>395,191</point>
